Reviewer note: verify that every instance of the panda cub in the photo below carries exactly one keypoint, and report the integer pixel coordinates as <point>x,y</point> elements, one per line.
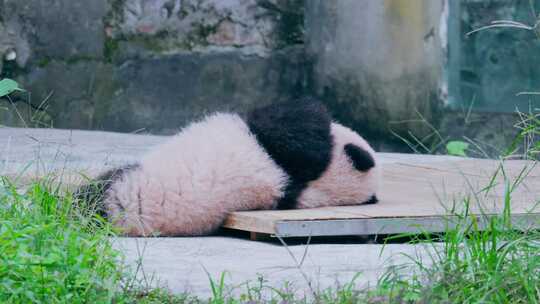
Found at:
<point>283,156</point>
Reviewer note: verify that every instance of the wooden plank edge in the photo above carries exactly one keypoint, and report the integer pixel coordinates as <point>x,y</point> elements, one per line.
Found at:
<point>247,223</point>
<point>374,226</point>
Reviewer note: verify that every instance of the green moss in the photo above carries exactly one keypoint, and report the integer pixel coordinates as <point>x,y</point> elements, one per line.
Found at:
<point>10,69</point>
<point>199,35</point>
<point>43,62</point>
<point>110,48</point>
<point>102,96</point>
<point>290,20</point>
<point>158,42</point>
<point>291,27</point>
<point>79,58</point>
<point>116,12</point>
<point>203,31</point>
<point>114,16</point>
<point>183,13</point>
<point>165,40</point>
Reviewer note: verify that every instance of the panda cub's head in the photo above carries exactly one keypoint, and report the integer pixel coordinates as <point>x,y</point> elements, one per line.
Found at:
<point>327,164</point>
<point>351,177</point>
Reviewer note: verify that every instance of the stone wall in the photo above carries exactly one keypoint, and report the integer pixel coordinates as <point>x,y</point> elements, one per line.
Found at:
<point>387,68</point>
<point>488,68</point>
<point>491,66</point>
<point>127,65</point>
<point>384,68</point>
<point>378,63</point>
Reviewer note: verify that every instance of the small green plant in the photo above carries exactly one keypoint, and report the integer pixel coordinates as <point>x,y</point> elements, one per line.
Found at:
<point>435,141</point>
<point>8,86</point>
<point>218,289</point>
<point>528,137</point>
<point>457,148</point>
<point>48,254</point>
<point>37,115</point>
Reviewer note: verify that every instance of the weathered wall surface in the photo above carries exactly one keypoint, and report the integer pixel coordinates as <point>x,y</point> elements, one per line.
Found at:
<point>491,66</point>
<point>377,61</point>
<point>487,68</point>
<point>125,65</point>
<point>383,67</point>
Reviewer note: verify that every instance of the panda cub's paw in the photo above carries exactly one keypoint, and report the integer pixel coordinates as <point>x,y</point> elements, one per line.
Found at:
<point>372,200</point>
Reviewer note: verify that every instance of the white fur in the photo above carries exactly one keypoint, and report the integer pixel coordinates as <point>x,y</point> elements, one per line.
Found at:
<point>341,183</point>
<point>189,184</point>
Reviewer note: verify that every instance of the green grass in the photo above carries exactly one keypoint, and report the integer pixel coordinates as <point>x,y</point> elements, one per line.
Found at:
<point>498,265</point>
<point>50,253</point>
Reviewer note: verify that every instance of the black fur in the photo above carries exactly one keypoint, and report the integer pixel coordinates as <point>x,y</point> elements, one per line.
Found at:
<point>92,193</point>
<point>372,200</point>
<point>362,160</point>
<point>296,135</point>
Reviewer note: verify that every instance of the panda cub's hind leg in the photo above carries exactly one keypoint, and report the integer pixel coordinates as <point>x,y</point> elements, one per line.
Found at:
<point>90,197</point>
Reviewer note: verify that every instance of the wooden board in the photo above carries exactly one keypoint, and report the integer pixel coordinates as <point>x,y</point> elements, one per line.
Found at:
<point>418,193</point>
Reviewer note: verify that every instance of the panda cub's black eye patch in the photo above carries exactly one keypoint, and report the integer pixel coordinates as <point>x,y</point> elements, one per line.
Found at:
<point>362,160</point>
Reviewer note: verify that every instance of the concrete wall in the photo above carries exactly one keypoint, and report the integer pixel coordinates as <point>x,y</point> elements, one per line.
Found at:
<point>377,61</point>
<point>126,65</point>
<point>383,67</point>
<point>491,66</point>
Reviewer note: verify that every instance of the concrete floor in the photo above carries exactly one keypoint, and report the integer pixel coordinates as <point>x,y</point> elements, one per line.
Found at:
<point>181,263</point>
<point>42,151</point>
<point>185,264</point>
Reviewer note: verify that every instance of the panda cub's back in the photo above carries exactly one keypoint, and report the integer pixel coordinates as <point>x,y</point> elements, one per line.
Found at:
<point>188,184</point>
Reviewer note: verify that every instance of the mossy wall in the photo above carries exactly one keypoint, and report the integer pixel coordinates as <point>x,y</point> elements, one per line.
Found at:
<point>136,65</point>
<point>389,69</point>
<point>378,63</point>
<point>490,67</point>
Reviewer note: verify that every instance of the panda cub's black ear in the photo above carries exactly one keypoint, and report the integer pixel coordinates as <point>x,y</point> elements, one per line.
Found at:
<point>362,160</point>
